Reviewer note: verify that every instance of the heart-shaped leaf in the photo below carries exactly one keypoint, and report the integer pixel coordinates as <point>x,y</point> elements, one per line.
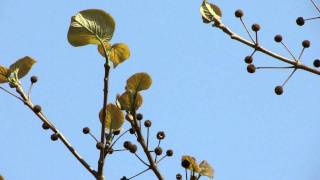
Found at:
<point>128,102</point>
<point>210,12</point>
<point>114,119</point>
<point>138,82</point>
<point>119,53</point>
<point>4,74</point>
<point>23,66</point>
<point>206,169</point>
<point>92,26</point>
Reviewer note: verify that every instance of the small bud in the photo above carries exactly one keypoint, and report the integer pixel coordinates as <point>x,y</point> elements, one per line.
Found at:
<point>179,177</point>
<point>34,79</point>
<point>147,123</point>
<point>131,131</point>
<point>305,43</point>
<point>316,63</point>
<point>278,38</point>
<point>139,116</point>
<point>158,151</point>
<point>300,21</point>
<point>36,108</point>
<point>169,152</point>
<point>185,163</point>
<point>278,90</point>
<point>86,130</point>
<point>238,13</point>
<point>54,136</point>
<point>251,68</point>
<point>248,59</point>
<point>45,126</point>
<point>255,27</point>
<point>161,135</point>
<point>99,145</point>
<point>133,148</point>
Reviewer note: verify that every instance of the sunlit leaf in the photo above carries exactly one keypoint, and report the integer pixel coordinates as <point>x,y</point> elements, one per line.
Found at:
<point>138,82</point>
<point>206,169</point>
<point>193,164</point>
<point>115,117</point>
<point>91,26</point>
<point>4,73</point>
<point>210,12</point>
<point>100,48</point>
<point>127,99</point>
<point>23,66</point>
<point>119,53</point>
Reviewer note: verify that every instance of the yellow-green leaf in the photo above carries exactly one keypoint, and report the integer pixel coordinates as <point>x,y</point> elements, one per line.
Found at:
<point>193,164</point>
<point>206,169</point>
<point>1,177</point>
<point>210,12</point>
<point>119,52</point>
<point>114,119</point>
<point>92,26</point>
<point>100,48</point>
<point>127,99</point>
<point>4,74</point>
<point>23,66</point>
<point>138,82</point>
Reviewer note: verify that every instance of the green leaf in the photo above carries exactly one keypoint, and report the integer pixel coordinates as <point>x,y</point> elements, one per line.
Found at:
<point>138,82</point>
<point>23,66</point>
<point>92,26</point>
<point>128,102</point>
<point>114,119</point>
<point>119,53</point>
<point>206,169</point>
<point>4,74</point>
<point>210,12</point>
<point>193,164</point>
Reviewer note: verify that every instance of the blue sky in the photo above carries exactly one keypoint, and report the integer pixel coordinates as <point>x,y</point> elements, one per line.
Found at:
<point>201,96</point>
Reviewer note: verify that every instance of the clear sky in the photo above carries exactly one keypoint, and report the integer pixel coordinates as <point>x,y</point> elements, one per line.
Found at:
<point>201,96</point>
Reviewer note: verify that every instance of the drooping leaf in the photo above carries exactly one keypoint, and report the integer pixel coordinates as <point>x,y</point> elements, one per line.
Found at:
<point>206,169</point>
<point>114,119</point>
<point>91,26</point>
<point>138,82</point>
<point>210,12</point>
<point>128,102</point>
<point>4,74</point>
<point>193,164</point>
<point>119,53</point>
<point>23,66</point>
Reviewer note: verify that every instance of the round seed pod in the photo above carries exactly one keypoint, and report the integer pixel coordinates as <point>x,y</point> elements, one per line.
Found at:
<point>248,59</point>
<point>161,135</point>
<point>131,131</point>
<point>36,108</point>
<point>278,90</point>
<point>169,152</point>
<point>251,68</point>
<point>278,38</point>
<point>86,130</point>
<point>133,148</point>
<point>147,123</point>
<point>300,21</point>
<point>139,116</point>
<point>185,163</point>
<point>316,63</point>
<point>179,177</point>
<point>158,151</point>
<point>306,43</point>
<point>99,145</point>
<point>255,27</point>
<point>238,13</point>
<point>116,132</point>
<point>45,126</point>
<point>34,79</point>
<point>127,144</point>
<point>54,136</point>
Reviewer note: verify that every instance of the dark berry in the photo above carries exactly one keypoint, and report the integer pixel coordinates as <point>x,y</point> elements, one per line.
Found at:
<point>133,148</point>
<point>86,130</point>
<point>34,79</point>
<point>248,59</point>
<point>179,177</point>
<point>204,20</point>
<point>139,116</point>
<point>54,136</point>
<point>316,63</point>
<point>147,123</point>
<point>238,13</point>
<point>124,178</point>
<point>278,38</point>
<point>116,132</point>
<point>169,152</point>
<point>127,144</point>
<point>251,68</point>
<point>278,90</point>
<point>132,131</point>
<point>45,126</point>
<point>306,43</point>
<point>99,145</point>
<point>36,108</point>
<point>185,163</point>
<point>161,135</point>
<point>255,27</point>
<point>158,151</point>
<point>300,21</point>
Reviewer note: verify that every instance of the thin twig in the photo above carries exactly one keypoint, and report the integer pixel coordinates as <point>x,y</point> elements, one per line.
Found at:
<point>245,27</point>
<point>315,5</point>
<point>11,94</point>
<point>139,173</point>
<point>29,91</point>
<point>288,50</point>
<point>161,159</point>
<point>93,137</point>
<point>301,53</point>
<point>272,67</point>
<point>141,159</point>
<point>307,19</point>
<point>117,140</point>
<point>285,82</point>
